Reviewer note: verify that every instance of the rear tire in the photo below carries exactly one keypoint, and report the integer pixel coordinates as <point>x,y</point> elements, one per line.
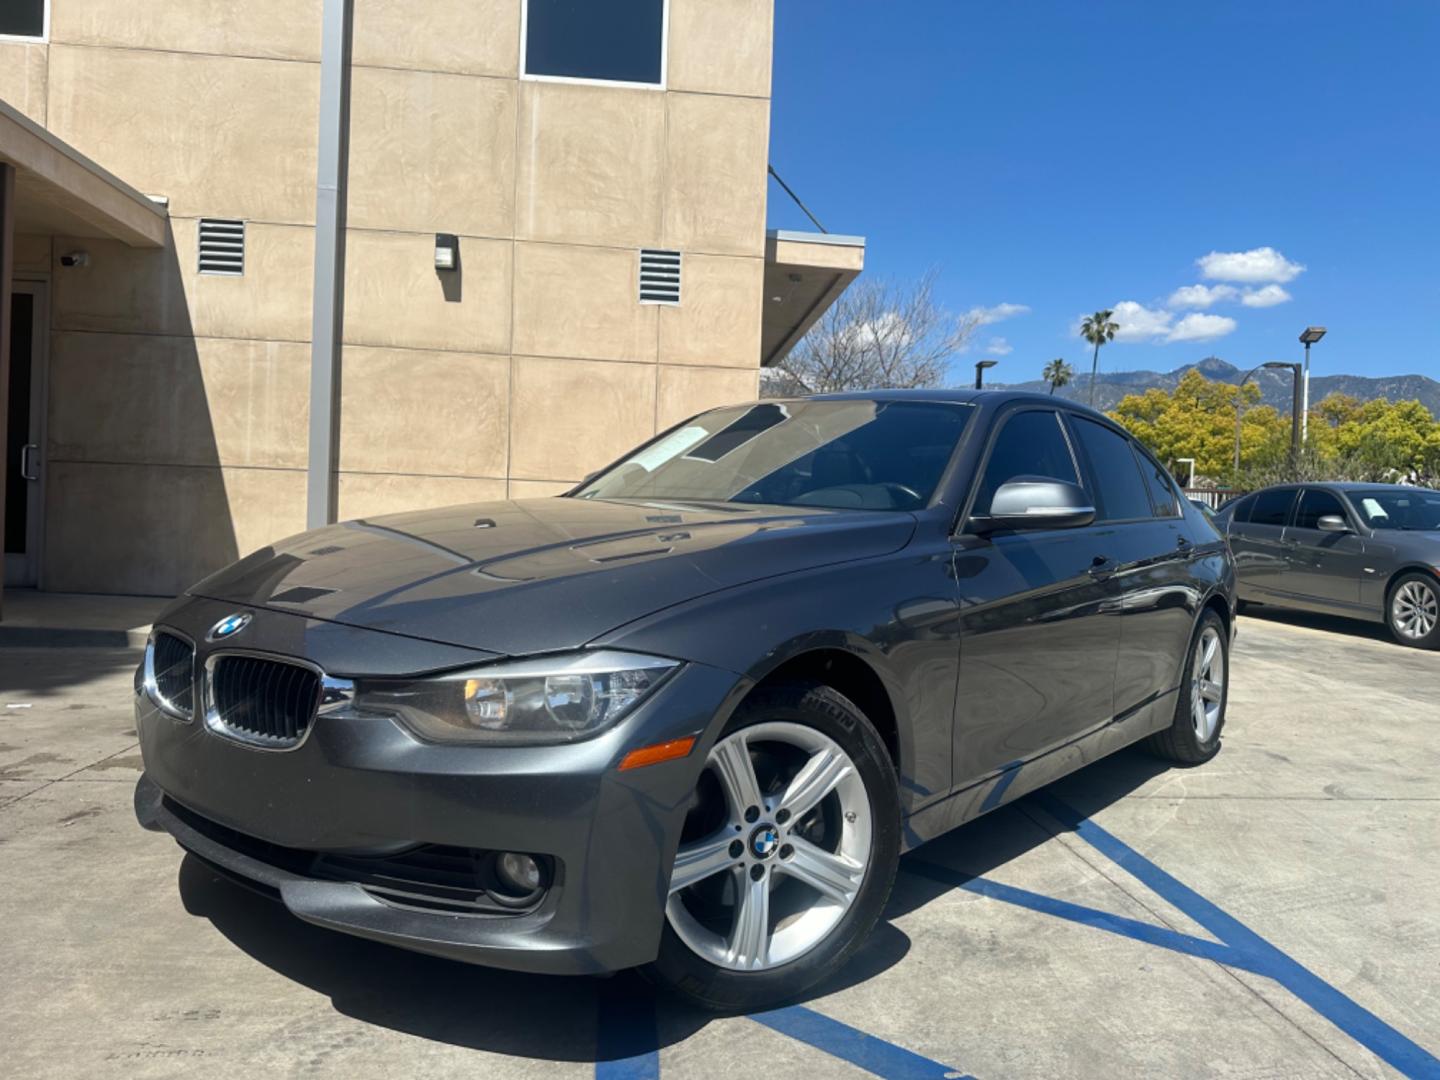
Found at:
<point>1412,611</point>
<point>763,858</point>
<point>1193,736</point>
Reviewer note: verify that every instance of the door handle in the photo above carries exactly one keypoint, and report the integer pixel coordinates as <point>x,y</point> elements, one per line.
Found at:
<point>1101,566</point>
<point>1182,543</point>
<point>29,453</point>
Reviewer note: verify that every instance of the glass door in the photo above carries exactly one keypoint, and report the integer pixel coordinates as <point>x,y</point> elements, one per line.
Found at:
<point>23,438</point>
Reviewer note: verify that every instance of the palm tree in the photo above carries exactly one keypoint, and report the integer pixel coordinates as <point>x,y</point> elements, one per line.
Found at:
<point>1097,329</point>
<point>1057,373</point>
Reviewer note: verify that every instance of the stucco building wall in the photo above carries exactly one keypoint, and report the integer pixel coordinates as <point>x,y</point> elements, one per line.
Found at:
<point>177,405</point>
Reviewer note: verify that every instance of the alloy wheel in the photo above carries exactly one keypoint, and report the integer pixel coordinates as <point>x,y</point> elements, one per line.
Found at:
<point>1414,610</point>
<point>1207,684</point>
<point>775,849</point>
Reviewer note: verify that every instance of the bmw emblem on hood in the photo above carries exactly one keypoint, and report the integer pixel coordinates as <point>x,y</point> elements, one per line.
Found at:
<point>229,626</point>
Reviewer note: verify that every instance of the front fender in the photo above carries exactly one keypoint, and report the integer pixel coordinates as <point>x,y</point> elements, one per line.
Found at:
<point>910,643</point>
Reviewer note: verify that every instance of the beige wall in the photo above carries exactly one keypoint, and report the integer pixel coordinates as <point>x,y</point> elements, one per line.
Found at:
<point>179,402</point>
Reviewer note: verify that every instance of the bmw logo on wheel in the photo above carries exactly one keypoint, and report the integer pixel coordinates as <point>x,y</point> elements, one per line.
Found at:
<point>229,626</point>
<point>764,841</point>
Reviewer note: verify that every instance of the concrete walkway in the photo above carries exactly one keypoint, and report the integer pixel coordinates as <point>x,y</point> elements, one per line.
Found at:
<point>33,619</point>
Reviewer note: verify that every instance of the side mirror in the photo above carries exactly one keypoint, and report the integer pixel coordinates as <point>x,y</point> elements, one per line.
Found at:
<point>1036,503</point>
<point>1332,523</point>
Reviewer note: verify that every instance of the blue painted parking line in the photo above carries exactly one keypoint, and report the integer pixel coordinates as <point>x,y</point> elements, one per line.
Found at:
<point>628,1037</point>
<point>627,1043</point>
<point>857,1047</point>
<point>1250,951</point>
<point>1101,920</point>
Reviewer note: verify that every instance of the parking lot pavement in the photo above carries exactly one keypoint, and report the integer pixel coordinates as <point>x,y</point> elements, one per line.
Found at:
<point>1275,913</point>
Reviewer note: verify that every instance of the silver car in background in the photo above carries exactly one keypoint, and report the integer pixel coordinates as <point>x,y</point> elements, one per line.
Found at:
<point>1367,551</point>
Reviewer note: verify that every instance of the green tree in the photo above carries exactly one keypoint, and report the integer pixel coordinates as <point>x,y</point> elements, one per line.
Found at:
<point>1349,439</point>
<point>1197,420</point>
<point>1057,373</point>
<point>1375,440</point>
<point>1097,329</point>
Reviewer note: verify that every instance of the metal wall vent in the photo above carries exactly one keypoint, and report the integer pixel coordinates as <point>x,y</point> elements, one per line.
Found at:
<point>659,276</point>
<point>222,247</point>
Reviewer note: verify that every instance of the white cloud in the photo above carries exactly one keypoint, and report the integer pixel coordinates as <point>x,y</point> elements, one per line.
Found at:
<point>1201,296</point>
<point>1139,323</point>
<point>984,316</point>
<point>998,346</point>
<point>1199,327</point>
<point>1268,296</point>
<point>1252,267</point>
<point>885,329</point>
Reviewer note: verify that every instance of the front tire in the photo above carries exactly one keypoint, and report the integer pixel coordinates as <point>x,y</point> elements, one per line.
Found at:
<point>788,853</point>
<point>1193,736</point>
<point>1412,611</point>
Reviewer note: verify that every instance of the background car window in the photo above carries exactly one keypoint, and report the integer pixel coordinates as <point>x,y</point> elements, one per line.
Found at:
<point>1399,508</point>
<point>1272,507</point>
<point>1162,490</point>
<point>1121,490</point>
<point>1315,504</point>
<point>1238,510</point>
<point>1030,444</point>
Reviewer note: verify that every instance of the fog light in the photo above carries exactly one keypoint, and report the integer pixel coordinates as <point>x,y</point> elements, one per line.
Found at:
<point>518,872</point>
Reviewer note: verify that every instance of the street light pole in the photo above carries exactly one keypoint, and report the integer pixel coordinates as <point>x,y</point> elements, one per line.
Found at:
<point>1311,335</point>
<point>1240,404</point>
<point>980,366</point>
<point>1297,406</point>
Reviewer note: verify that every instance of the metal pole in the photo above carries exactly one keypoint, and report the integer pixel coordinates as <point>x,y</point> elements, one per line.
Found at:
<point>1305,416</point>
<point>979,377</point>
<point>7,268</point>
<point>1295,409</point>
<point>1239,404</point>
<point>1239,408</point>
<point>328,314</point>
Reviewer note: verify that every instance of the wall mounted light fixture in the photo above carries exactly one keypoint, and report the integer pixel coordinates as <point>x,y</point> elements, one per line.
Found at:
<point>447,251</point>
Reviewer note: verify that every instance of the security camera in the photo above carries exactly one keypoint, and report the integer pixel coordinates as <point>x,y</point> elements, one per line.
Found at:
<point>75,258</point>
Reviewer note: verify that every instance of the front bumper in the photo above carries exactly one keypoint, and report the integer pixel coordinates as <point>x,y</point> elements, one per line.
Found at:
<point>363,787</point>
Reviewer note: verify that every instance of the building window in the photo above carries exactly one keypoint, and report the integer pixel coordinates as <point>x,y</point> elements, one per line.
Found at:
<point>27,20</point>
<point>614,41</point>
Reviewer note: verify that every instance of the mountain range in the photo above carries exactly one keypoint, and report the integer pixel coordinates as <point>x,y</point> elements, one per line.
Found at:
<point>1275,386</point>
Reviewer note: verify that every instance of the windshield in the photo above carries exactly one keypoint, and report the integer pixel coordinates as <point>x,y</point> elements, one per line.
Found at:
<point>1398,508</point>
<point>851,455</point>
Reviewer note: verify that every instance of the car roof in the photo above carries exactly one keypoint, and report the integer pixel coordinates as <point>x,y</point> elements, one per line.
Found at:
<point>956,395</point>
<point>1345,485</point>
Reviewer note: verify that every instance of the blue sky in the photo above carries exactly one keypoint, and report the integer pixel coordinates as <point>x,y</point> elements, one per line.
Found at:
<point>1068,156</point>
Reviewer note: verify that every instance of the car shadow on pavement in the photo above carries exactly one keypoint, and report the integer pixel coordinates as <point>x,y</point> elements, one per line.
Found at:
<point>1309,620</point>
<point>544,1017</point>
<point>1006,834</point>
<point>555,1018</point>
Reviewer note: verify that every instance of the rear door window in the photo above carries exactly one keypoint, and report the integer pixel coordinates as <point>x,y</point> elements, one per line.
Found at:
<point>1315,504</point>
<point>1030,444</point>
<point>1272,507</point>
<point>1120,489</point>
<point>1162,491</point>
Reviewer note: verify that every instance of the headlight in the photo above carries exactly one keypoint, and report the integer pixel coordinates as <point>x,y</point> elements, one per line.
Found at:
<point>555,699</point>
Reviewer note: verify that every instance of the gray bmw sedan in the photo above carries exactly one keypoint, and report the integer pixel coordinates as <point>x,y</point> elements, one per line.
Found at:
<point>1367,551</point>
<point>689,715</point>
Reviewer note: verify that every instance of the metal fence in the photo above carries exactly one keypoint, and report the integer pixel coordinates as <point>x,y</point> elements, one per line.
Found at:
<point>1212,497</point>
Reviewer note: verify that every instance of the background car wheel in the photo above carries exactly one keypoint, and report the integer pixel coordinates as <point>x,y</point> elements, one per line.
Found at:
<point>1413,611</point>
<point>788,853</point>
<point>1194,734</point>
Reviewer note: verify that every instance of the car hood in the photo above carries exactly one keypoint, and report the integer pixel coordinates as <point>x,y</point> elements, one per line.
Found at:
<point>543,574</point>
